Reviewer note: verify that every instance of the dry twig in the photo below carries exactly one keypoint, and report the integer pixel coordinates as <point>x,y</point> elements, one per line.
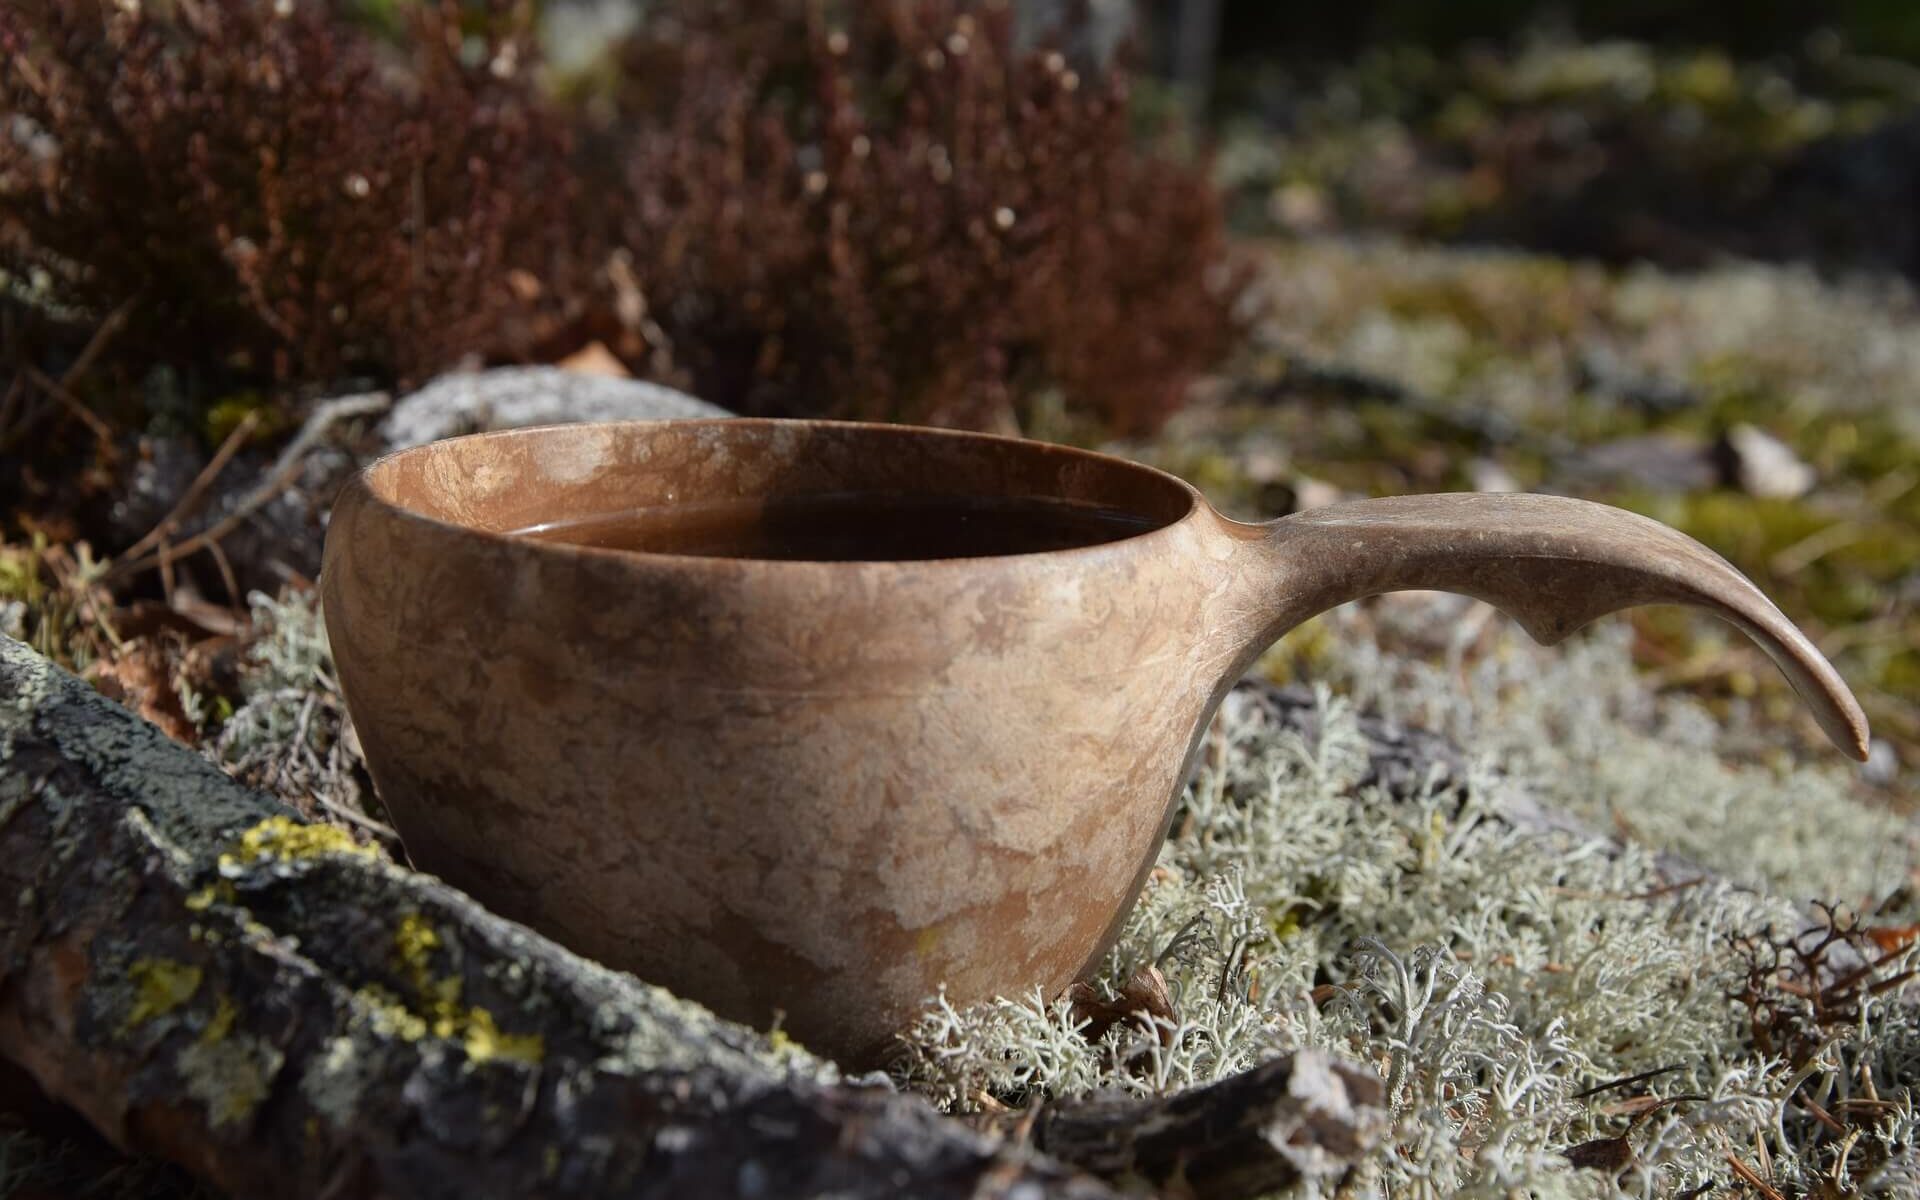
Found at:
<point>277,479</point>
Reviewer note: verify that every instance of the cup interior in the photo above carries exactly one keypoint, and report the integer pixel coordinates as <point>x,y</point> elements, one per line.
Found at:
<point>744,488</point>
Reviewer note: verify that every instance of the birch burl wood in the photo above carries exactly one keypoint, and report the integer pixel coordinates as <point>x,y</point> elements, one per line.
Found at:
<point>207,978</point>
<point>819,791</point>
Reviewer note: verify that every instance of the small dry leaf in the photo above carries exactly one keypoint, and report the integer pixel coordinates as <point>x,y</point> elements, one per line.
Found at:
<point>140,676</point>
<point>1890,938</point>
<point>524,284</point>
<point>1602,1154</point>
<point>595,359</point>
<point>1144,997</point>
<point>1631,1107</point>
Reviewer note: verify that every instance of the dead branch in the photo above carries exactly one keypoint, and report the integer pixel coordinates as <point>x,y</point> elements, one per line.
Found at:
<point>281,1010</point>
<point>277,479</point>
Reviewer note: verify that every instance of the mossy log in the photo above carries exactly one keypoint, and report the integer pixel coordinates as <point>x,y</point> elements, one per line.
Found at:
<point>211,980</point>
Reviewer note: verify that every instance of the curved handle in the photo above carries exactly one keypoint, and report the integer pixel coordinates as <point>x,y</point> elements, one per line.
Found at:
<point>1552,563</point>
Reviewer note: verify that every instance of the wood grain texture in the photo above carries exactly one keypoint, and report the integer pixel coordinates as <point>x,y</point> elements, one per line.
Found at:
<point>208,980</point>
<point>825,790</point>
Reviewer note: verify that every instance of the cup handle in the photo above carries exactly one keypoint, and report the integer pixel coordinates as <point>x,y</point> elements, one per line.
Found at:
<point>1550,562</point>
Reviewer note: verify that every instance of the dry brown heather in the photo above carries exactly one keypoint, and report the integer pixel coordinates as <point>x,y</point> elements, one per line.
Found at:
<point>278,198</point>
<point>893,215</point>
<point>932,224</point>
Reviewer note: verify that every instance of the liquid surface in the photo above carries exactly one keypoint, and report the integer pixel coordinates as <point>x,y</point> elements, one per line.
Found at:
<point>852,528</point>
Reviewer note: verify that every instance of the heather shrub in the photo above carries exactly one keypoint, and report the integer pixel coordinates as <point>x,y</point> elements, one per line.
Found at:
<point>274,194</point>
<point>876,210</point>
<point>887,209</point>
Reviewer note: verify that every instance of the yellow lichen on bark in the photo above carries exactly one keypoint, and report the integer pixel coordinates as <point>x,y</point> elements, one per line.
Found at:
<point>160,985</point>
<point>437,1009</point>
<point>484,1040</point>
<point>283,839</point>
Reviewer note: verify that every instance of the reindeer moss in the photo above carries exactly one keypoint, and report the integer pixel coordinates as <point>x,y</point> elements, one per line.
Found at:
<point>1492,964</point>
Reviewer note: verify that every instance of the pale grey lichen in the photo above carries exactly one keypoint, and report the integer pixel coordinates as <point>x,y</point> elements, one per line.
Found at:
<point>1491,964</point>
<point>1419,315</point>
<point>230,1075</point>
<point>289,734</point>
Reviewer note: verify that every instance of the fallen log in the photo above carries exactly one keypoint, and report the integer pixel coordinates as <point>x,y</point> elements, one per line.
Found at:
<point>209,979</point>
<point>1301,1116</point>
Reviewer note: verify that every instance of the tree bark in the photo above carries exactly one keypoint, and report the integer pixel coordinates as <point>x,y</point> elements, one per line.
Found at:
<point>210,980</point>
<point>1304,1115</point>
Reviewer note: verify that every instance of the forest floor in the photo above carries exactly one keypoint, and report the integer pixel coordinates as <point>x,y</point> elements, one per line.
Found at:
<point>1769,408</point>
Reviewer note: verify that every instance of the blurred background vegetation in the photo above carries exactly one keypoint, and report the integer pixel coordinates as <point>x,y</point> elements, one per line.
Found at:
<point>1762,27</point>
<point>1656,254</point>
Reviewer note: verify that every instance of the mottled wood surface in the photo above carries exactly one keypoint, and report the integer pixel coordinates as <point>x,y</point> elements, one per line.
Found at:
<point>210,981</point>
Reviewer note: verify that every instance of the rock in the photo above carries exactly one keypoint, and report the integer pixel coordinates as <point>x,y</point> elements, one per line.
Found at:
<point>162,467</point>
<point>595,359</point>
<point>1486,475</point>
<point>1657,462</point>
<point>1301,493</point>
<point>254,525</point>
<point>512,397</point>
<point>280,541</point>
<point>1882,768</point>
<point>1760,464</point>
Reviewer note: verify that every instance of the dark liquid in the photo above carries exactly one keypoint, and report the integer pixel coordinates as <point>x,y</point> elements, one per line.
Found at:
<point>852,528</point>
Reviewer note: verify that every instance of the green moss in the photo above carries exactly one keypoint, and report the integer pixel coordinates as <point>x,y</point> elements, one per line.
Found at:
<point>20,577</point>
<point>1298,654</point>
<point>225,415</point>
<point>1747,529</point>
<point>50,599</point>
<point>1706,78</point>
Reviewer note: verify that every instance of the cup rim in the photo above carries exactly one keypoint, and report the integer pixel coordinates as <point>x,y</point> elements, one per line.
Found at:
<point>362,482</point>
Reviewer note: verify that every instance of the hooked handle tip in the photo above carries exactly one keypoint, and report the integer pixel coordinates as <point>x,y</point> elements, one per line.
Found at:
<point>1552,563</point>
